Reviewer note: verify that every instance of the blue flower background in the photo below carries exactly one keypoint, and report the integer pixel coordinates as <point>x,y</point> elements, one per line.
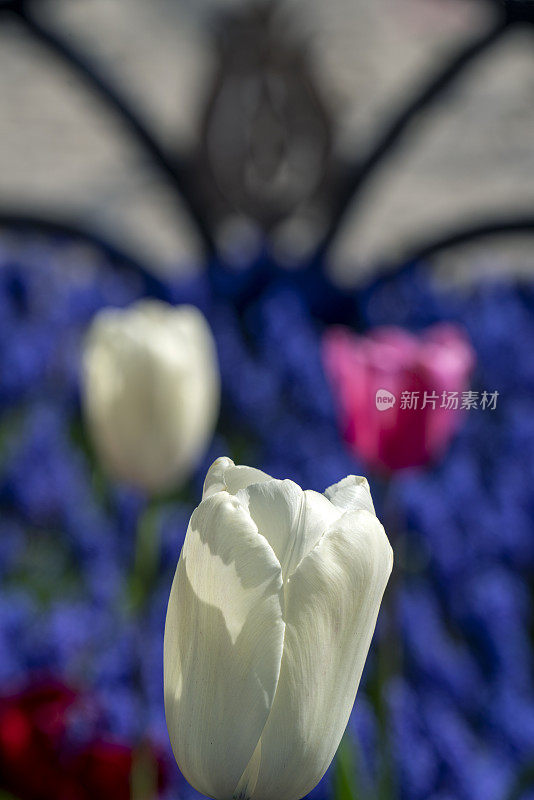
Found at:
<point>446,707</point>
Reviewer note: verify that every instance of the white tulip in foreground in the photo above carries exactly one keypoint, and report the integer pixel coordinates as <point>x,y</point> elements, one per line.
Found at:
<point>270,618</point>
<point>151,391</point>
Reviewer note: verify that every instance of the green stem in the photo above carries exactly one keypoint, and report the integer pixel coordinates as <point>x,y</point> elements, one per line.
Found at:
<point>144,774</point>
<point>347,769</point>
<point>147,553</point>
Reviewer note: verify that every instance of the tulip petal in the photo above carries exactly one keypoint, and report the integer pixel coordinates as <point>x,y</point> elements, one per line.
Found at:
<point>352,494</point>
<point>332,603</point>
<point>291,520</point>
<point>225,476</point>
<point>223,645</point>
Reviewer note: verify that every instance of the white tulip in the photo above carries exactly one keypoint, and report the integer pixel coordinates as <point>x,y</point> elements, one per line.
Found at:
<point>151,391</point>
<point>271,614</point>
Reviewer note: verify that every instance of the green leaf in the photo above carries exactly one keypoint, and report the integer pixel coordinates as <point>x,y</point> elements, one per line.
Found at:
<point>523,782</point>
<point>346,771</point>
<point>45,568</point>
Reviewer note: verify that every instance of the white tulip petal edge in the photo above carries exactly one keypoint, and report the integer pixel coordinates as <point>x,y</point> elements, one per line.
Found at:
<point>270,618</point>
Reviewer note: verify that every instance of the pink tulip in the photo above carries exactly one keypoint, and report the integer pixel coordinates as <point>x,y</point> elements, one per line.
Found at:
<point>365,371</point>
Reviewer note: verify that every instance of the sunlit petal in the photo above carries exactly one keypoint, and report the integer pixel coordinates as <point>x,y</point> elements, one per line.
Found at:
<point>223,645</point>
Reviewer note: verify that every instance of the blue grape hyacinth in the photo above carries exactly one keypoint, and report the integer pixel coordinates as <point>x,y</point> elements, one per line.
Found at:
<point>452,714</point>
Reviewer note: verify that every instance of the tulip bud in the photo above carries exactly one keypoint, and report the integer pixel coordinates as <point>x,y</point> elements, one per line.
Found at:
<point>151,391</point>
<point>399,395</point>
<point>271,613</point>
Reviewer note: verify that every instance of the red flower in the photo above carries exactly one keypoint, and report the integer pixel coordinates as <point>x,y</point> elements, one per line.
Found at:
<point>106,769</point>
<point>32,726</point>
<point>379,378</point>
<point>39,761</point>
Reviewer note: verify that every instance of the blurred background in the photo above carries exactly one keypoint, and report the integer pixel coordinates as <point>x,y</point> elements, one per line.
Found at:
<point>307,174</point>
<point>61,147</point>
